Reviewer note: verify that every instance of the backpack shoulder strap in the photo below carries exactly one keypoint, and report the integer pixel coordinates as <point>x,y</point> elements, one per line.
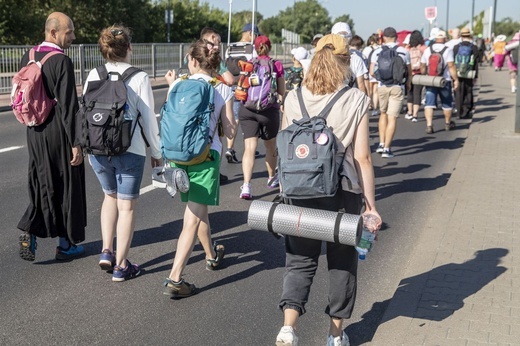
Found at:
<point>102,72</point>
<point>129,72</point>
<point>325,112</point>
<point>443,50</point>
<point>305,114</point>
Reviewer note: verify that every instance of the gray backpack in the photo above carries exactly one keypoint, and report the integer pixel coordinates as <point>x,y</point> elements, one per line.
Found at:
<point>307,166</point>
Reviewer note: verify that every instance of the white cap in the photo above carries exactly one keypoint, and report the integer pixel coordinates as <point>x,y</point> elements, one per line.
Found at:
<point>341,27</point>
<point>433,33</point>
<point>299,53</point>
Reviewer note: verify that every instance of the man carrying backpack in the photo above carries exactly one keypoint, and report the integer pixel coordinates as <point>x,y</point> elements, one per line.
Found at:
<point>57,204</point>
<point>241,50</point>
<point>438,60</point>
<point>390,65</point>
<point>465,54</point>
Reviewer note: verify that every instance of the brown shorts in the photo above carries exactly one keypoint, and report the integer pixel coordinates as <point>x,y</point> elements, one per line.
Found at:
<point>390,99</point>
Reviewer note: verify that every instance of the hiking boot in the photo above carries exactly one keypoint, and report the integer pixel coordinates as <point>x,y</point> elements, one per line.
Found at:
<point>286,337</point>
<point>27,246</point>
<point>273,182</point>
<point>231,155</point>
<point>387,153</point>
<point>212,264</point>
<point>180,289</point>
<point>107,260</point>
<point>380,148</point>
<point>449,126</point>
<point>72,252</point>
<point>429,130</point>
<point>121,274</point>
<point>408,116</point>
<point>246,191</point>
<point>338,340</point>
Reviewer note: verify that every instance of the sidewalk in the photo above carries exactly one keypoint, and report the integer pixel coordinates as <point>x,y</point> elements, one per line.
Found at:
<point>462,283</point>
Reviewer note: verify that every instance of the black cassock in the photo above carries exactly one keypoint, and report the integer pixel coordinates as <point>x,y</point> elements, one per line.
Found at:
<point>57,204</point>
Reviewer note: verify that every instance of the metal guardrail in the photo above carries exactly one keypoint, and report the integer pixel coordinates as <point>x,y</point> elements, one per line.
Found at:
<point>153,58</point>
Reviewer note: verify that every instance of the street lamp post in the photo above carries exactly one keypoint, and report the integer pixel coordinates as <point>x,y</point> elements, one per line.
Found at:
<point>472,15</point>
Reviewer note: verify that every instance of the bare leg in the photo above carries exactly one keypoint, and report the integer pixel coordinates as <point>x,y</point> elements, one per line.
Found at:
<point>290,317</point>
<point>270,156</point>
<point>383,120</point>
<point>125,229</point>
<point>336,327</point>
<point>193,214</point>
<point>416,110</point>
<point>248,160</point>
<point>109,216</point>
<point>390,130</point>
<point>428,114</point>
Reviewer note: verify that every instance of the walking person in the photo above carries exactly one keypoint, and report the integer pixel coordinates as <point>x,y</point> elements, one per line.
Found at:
<point>57,203</point>
<point>349,121</point>
<point>466,56</point>
<point>391,90</point>
<point>449,72</point>
<point>203,60</point>
<point>512,64</point>
<point>414,96</point>
<point>261,124</point>
<point>120,175</point>
<point>372,45</point>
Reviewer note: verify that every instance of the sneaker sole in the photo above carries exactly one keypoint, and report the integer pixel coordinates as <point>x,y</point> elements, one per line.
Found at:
<point>25,247</point>
<point>61,257</point>
<point>127,278</point>
<point>179,296</point>
<point>106,265</point>
<point>386,156</point>
<point>211,267</point>
<point>246,197</point>
<point>283,343</point>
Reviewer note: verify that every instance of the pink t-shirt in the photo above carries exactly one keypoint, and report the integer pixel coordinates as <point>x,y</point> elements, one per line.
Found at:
<point>278,66</point>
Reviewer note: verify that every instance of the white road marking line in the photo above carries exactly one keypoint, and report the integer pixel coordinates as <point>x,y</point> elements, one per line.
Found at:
<point>10,148</point>
<point>146,189</point>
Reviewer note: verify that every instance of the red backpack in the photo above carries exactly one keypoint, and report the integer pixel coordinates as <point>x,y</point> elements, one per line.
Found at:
<point>436,62</point>
<point>29,100</point>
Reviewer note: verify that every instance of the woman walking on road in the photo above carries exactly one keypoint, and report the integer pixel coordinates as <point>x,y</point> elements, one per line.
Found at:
<point>349,119</point>
<point>120,175</point>
<point>203,60</point>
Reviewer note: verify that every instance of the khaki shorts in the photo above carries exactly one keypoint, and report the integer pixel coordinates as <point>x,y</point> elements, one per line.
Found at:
<point>391,99</point>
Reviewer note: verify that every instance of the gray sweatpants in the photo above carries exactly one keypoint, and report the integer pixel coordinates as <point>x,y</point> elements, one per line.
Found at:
<point>302,256</point>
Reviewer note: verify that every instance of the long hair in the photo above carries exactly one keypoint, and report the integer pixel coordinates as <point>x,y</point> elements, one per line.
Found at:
<point>328,71</point>
<point>206,54</point>
<point>114,42</point>
<point>416,39</point>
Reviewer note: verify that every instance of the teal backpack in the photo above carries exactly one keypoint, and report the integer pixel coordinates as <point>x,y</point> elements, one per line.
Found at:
<point>185,121</point>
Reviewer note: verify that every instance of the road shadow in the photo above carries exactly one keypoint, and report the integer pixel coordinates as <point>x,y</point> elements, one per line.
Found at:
<point>385,190</point>
<point>410,147</point>
<point>434,295</point>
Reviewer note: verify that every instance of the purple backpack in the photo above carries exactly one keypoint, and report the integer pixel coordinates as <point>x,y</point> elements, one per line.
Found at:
<point>262,92</point>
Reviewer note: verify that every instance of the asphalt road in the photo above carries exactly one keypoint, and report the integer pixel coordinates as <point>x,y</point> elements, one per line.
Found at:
<point>53,303</point>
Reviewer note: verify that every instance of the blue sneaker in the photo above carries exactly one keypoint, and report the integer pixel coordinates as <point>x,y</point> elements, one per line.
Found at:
<point>27,246</point>
<point>107,260</point>
<point>121,274</point>
<point>72,252</point>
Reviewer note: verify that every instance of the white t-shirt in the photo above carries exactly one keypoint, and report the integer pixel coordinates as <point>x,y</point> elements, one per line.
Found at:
<point>366,53</point>
<point>221,96</point>
<point>403,53</point>
<point>357,65</point>
<point>453,43</point>
<point>447,56</point>
<point>140,100</point>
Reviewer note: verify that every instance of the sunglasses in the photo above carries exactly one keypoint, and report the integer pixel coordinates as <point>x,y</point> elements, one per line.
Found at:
<point>116,32</point>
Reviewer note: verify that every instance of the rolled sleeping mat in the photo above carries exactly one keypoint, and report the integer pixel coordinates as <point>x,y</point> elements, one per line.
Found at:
<point>278,218</point>
<point>431,81</point>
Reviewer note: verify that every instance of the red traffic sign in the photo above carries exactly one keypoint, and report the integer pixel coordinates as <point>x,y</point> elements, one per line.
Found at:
<point>430,13</point>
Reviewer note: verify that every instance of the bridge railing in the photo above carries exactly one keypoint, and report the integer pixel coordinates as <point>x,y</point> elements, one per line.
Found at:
<point>154,58</point>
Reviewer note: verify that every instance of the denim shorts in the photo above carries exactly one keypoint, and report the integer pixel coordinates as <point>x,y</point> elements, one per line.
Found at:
<point>444,94</point>
<point>121,174</point>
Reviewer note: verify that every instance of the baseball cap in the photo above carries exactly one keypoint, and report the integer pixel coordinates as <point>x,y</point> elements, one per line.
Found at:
<point>341,27</point>
<point>433,33</point>
<point>407,39</point>
<point>440,34</point>
<point>299,53</point>
<point>389,32</point>
<point>465,32</point>
<point>251,27</point>
<point>262,40</point>
<point>337,41</point>
<point>317,36</point>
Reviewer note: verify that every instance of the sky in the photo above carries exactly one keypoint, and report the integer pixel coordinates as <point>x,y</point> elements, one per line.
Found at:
<point>369,15</point>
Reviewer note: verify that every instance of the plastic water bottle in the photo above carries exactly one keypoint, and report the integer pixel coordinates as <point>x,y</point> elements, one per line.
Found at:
<point>126,113</point>
<point>370,222</point>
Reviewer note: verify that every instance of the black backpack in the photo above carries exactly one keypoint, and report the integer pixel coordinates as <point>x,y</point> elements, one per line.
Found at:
<point>105,130</point>
<point>391,68</point>
<point>237,52</point>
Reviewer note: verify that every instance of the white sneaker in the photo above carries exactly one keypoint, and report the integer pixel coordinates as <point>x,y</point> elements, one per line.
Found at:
<point>338,340</point>
<point>513,89</point>
<point>286,337</point>
<point>380,148</point>
<point>408,116</point>
<point>376,112</point>
<point>246,191</point>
